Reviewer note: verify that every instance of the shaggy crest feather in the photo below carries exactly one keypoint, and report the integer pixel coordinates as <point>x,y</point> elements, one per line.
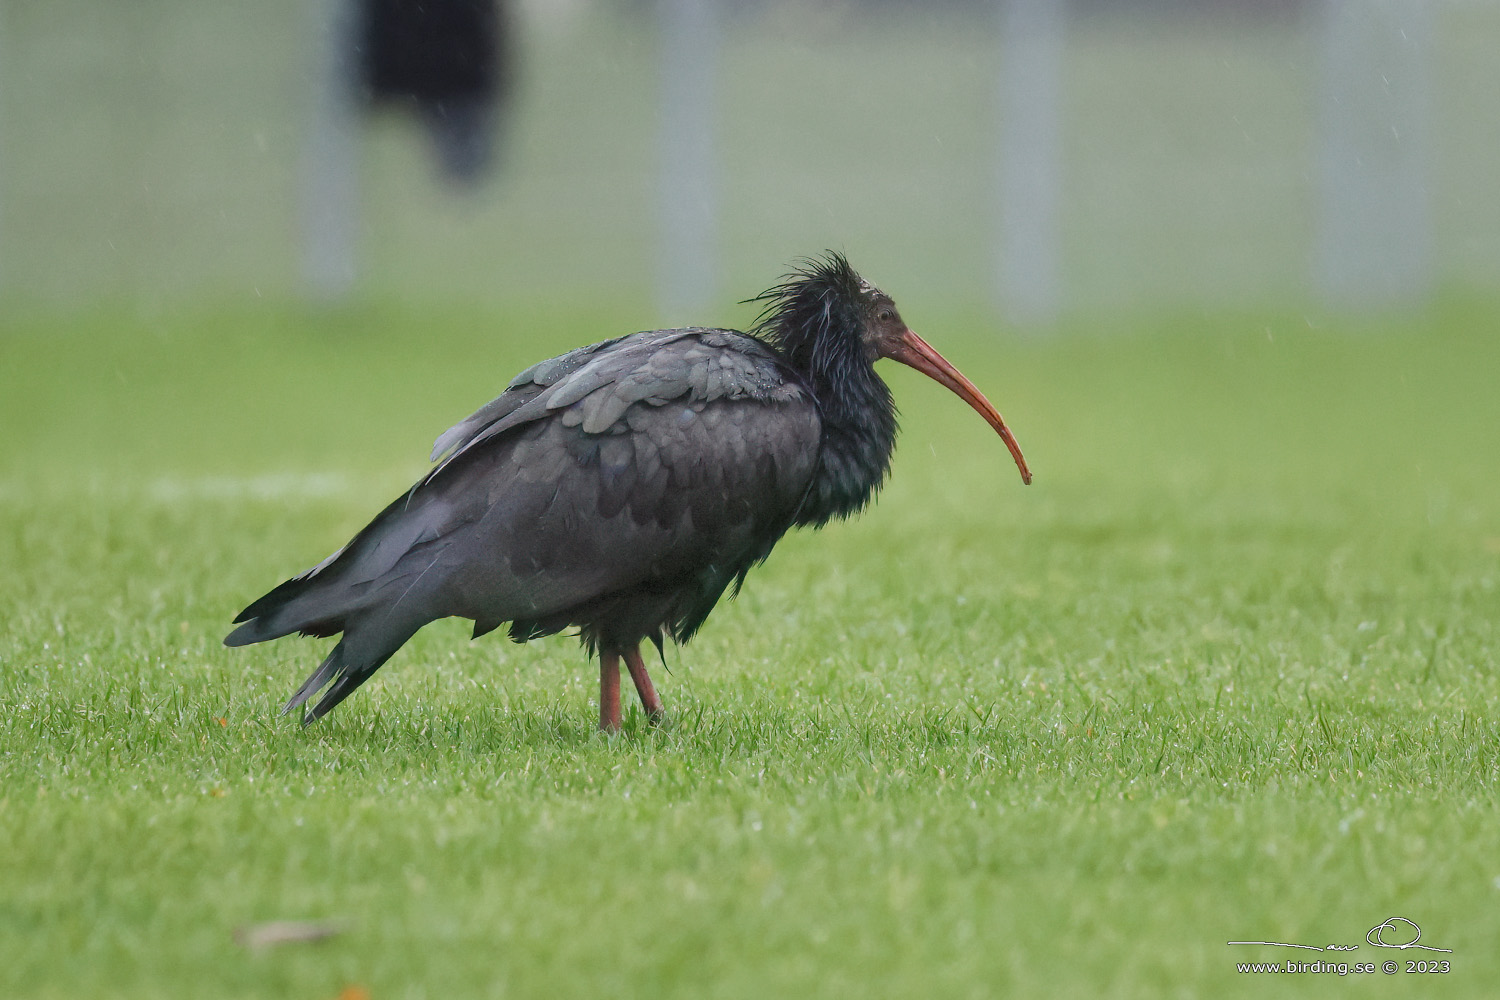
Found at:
<point>814,316</point>
<point>816,319</point>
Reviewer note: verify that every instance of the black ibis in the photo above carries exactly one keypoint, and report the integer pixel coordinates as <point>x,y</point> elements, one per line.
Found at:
<point>621,488</point>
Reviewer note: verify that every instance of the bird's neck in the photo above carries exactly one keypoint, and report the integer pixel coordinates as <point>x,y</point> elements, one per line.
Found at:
<point>854,453</point>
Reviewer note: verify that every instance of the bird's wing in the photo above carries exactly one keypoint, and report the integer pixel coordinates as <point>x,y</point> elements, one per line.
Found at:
<point>575,441</point>
<point>671,465</point>
<point>509,409</point>
<point>528,397</point>
<point>617,390</point>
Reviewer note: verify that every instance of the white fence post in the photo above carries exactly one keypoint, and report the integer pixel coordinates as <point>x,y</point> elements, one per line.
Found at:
<point>1030,158</point>
<point>330,181</point>
<point>688,197</point>
<point>1374,240</point>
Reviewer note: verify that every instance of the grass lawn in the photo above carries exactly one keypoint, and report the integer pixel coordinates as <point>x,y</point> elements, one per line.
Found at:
<point>1227,671</point>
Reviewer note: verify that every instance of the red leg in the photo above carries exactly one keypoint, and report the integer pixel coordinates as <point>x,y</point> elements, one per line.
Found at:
<point>609,692</point>
<point>643,687</point>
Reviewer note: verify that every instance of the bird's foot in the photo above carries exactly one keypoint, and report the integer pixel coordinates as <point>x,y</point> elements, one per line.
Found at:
<point>650,701</point>
<point>609,692</point>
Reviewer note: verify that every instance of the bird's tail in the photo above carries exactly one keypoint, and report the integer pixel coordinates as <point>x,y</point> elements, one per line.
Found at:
<point>314,603</point>
<point>322,602</point>
<point>319,601</point>
<point>366,646</point>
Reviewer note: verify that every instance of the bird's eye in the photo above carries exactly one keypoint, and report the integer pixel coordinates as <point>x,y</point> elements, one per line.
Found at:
<point>885,316</point>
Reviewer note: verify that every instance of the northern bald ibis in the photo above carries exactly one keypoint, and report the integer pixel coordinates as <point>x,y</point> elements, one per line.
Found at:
<point>621,488</point>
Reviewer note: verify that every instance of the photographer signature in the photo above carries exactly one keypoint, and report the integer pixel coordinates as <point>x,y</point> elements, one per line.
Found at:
<point>1375,938</point>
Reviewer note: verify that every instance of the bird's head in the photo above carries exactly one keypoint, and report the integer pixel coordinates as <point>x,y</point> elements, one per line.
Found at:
<point>832,325</point>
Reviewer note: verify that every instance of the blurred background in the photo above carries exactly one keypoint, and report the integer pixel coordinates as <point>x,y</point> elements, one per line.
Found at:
<point>1032,158</point>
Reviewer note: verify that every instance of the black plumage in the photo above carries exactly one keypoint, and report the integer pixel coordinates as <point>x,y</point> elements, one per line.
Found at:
<point>621,488</point>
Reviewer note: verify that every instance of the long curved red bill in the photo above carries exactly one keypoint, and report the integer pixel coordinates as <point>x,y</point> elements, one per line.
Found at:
<point>914,352</point>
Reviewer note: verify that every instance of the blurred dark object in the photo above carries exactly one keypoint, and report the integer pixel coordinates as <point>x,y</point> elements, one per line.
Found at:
<point>448,60</point>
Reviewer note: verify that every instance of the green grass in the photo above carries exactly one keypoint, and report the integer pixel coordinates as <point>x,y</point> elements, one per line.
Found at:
<point>1227,670</point>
